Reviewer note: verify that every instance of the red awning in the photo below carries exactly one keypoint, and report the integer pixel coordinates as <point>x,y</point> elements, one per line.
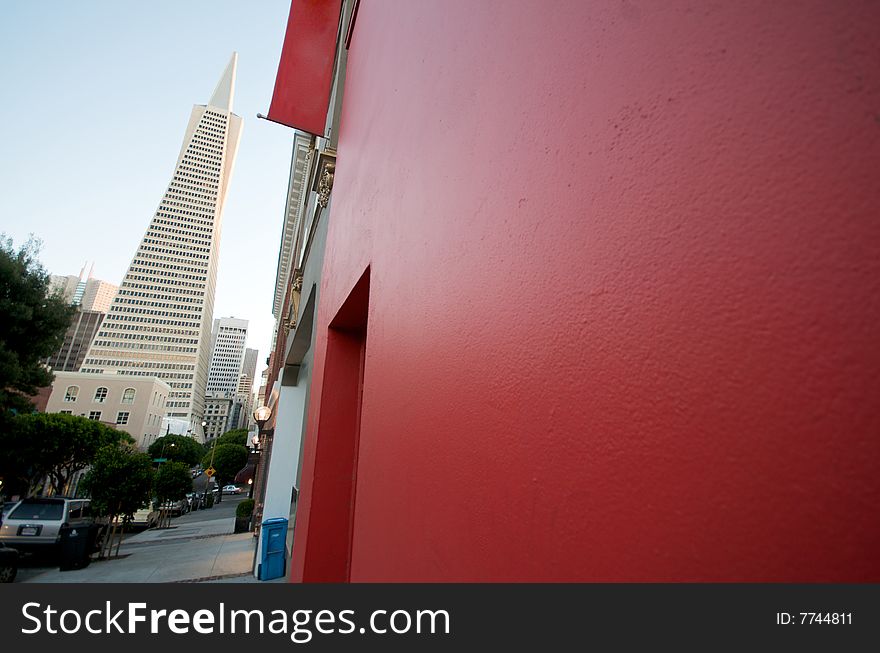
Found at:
<point>245,474</point>
<point>303,82</point>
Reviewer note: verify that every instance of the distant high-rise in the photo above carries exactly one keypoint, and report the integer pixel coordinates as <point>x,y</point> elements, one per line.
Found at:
<point>66,285</point>
<point>243,405</point>
<point>160,322</point>
<point>98,295</point>
<point>228,337</point>
<point>249,367</point>
<point>88,293</point>
<point>92,298</point>
<point>79,336</point>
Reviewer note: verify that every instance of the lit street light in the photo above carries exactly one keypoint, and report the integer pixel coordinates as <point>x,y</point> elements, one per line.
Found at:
<point>165,442</point>
<point>261,416</point>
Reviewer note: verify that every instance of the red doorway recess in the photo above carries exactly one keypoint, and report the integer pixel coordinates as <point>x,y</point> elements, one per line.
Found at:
<point>334,483</point>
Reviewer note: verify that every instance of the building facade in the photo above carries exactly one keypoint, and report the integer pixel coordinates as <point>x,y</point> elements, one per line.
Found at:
<point>89,294</point>
<point>218,410</point>
<point>297,284</point>
<point>228,339</point>
<point>248,371</point>
<point>133,405</point>
<point>160,322</point>
<point>64,285</point>
<point>77,340</point>
<point>244,397</point>
<point>598,300</point>
<point>98,295</point>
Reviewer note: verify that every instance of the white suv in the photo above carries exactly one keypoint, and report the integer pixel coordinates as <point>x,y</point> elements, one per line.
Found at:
<point>35,524</point>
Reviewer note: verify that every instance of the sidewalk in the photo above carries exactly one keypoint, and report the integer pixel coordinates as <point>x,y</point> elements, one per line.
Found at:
<point>200,551</point>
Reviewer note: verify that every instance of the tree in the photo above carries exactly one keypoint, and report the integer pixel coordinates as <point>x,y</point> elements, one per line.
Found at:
<point>33,325</point>
<point>172,483</point>
<point>177,448</point>
<point>228,459</point>
<point>53,446</point>
<point>235,436</point>
<point>119,483</point>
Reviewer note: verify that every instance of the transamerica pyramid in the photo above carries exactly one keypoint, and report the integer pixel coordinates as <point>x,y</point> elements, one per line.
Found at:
<point>160,322</point>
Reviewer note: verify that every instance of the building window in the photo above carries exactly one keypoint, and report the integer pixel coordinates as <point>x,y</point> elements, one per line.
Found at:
<point>66,412</point>
<point>71,393</point>
<point>122,418</point>
<point>95,415</point>
<point>128,396</point>
<point>100,395</point>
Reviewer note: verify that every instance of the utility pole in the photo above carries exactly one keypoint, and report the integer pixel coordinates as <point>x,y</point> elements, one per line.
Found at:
<point>210,466</point>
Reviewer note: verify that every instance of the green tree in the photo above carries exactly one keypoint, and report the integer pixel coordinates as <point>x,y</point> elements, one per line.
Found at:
<point>172,483</point>
<point>33,325</point>
<point>228,459</point>
<point>119,483</point>
<point>177,448</point>
<point>53,446</point>
<point>235,436</point>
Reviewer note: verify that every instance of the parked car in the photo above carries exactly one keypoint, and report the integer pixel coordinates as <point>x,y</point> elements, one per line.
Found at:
<point>34,524</point>
<point>7,507</point>
<point>177,508</point>
<point>144,518</point>
<point>231,489</point>
<point>194,499</point>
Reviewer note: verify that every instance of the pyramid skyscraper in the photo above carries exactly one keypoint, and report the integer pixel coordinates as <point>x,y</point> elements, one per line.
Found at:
<point>160,321</point>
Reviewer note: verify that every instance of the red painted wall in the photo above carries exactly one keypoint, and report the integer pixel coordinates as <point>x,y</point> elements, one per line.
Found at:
<point>624,267</point>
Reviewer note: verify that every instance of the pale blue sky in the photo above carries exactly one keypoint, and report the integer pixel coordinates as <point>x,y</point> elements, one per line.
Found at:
<point>95,99</point>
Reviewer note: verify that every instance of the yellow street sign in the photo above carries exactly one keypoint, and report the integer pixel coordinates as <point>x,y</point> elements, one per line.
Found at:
<point>210,472</point>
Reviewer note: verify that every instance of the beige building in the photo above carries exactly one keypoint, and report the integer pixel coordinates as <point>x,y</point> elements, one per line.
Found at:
<point>159,324</point>
<point>217,410</point>
<point>98,295</point>
<point>134,405</point>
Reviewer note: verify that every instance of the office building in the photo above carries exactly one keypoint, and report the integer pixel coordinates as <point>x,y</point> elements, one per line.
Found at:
<point>160,322</point>
<point>229,336</point>
<point>77,340</point>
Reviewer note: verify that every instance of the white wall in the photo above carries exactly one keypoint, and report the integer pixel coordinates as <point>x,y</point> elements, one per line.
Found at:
<point>286,446</point>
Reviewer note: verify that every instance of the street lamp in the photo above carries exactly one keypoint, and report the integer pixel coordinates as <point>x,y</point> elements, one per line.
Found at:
<point>256,444</point>
<point>261,416</point>
<point>164,442</point>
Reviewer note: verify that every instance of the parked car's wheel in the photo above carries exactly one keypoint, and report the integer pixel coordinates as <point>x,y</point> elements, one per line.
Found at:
<point>7,574</point>
<point>8,564</point>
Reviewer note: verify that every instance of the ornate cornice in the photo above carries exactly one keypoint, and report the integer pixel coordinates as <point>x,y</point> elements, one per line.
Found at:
<point>325,183</point>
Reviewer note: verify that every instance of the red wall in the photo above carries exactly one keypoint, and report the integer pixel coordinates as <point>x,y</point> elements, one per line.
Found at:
<point>624,292</point>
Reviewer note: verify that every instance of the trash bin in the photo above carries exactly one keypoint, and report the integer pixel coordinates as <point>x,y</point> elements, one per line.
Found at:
<point>75,545</point>
<point>274,552</point>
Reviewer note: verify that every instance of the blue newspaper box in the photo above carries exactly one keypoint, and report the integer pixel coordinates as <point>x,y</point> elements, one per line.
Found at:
<point>274,553</point>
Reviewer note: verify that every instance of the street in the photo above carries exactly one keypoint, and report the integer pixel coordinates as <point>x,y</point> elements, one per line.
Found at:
<point>198,547</point>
